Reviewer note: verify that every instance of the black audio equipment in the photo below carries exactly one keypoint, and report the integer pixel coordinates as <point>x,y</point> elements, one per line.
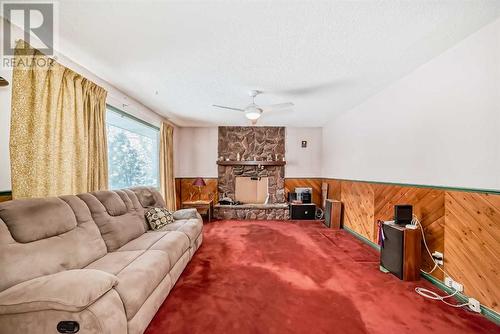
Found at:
<point>403,214</point>
<point>391,253</point>
<point>400,252</point>
<point>292,197</point>
<point>333,214</point>
<point>302,211</point>
<point>306,198</point>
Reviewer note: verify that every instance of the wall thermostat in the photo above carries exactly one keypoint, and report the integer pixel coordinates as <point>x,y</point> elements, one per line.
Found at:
<point>304,143</point>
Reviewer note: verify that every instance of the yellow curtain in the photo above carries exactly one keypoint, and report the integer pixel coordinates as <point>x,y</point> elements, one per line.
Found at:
<point>167,165</point>
<point>95,125</point>
<point>57,135</point>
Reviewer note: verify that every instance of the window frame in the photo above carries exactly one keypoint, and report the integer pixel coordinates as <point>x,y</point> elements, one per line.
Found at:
<point>125,114</point>
<point>141,121</point>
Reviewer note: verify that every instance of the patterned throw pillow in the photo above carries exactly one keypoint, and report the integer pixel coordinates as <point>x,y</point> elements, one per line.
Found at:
<point>159,217</point>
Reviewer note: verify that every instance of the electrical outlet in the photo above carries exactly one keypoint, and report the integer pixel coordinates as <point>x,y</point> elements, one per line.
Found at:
<point>438,255</point>
<point>449,282</point>
<point>474,305</point>
<point>457,286</point>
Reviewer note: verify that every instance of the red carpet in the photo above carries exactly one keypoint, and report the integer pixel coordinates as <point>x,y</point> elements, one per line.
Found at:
<point>277,277</point>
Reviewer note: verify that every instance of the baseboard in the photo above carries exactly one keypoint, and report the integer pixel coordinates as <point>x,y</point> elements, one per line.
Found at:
<point>487,312</point>
<point>362,238</point>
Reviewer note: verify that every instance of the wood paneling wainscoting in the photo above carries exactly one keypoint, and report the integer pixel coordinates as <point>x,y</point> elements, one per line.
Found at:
<point>314,183</point>
<point>185,191</point>
<point>464,225</point>
<point>472,244</point>
<point>5,196</point>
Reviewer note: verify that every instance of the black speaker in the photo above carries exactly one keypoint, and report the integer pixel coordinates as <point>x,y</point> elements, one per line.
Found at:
<point>292,196</point>
<point>403,214</point>
<point>306,198</point>
<point>333,214</point>
<point>391,253</point>
<point>302,211</point>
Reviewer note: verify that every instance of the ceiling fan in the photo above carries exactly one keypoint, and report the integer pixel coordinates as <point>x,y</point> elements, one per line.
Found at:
<point>254,111</point>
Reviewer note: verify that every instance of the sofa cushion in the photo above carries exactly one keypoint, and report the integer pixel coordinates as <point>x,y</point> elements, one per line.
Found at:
<point>140,278</point>
<point>191,227</point>
<point>173,243</point>
<point>118,215</point>
<point>149,197</point>
<point>159,217</point>
<point>185,214</point>
<point>71,290</point>
<point>114,262</point>
<point>73,249</point>
<point>34,219</point>
<point>144,242</point>
<point>114,205</point>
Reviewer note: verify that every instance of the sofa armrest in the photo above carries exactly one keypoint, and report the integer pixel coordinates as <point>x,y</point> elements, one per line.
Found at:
<point>71,290</point>
<point>186,214</point>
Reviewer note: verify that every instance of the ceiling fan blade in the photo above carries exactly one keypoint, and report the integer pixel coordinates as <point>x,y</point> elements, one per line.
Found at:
<point>278,106</point>
<point>323,87</point>
<point>230,108</point>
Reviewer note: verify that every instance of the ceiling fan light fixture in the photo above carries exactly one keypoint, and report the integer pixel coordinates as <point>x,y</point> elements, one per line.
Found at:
<point>253,113</point>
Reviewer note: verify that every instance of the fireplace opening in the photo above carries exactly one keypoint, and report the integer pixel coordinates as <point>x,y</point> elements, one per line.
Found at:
<point>251,190</point>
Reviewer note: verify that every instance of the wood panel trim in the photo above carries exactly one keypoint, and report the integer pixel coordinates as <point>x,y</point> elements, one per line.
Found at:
<point>450,220</point>
<point>446,188</point>
<point>5,196</point>
<point>306,178</point>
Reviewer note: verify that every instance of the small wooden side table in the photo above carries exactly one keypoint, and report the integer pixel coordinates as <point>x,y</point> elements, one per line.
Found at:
<point>202,206</point>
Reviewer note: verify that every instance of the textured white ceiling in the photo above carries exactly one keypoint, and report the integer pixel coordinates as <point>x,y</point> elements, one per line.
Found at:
<point>180,57</point>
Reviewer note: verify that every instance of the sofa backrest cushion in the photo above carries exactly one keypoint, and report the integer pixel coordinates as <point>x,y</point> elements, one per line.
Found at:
<point>149,197</point>
<point>118,214</point>
<point>53,217</point>
<point>69,238</point>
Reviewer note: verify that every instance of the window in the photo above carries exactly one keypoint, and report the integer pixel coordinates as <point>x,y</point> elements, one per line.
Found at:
<point>133,151</point>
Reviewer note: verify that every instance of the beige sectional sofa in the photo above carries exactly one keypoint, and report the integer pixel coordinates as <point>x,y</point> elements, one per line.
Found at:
<point>89,259</point>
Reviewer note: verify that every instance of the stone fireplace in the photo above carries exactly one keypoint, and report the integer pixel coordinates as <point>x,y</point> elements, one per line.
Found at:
<point>246,155</point>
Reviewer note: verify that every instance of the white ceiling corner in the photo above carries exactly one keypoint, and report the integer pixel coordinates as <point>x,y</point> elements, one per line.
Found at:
<point>324,56</point>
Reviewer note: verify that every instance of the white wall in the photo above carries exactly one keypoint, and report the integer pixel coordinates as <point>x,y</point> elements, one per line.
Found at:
<point>196,152</point>
<point>5,97</point>
<point>440,125</point>
<point>303,162</point>
<point>115,98</point>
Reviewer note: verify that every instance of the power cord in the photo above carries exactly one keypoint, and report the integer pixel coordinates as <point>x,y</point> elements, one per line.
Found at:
<point>319,213</point>
<point>426,293</point>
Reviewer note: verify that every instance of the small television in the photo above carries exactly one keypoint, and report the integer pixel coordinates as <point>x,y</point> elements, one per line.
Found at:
<point>403,214</point>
